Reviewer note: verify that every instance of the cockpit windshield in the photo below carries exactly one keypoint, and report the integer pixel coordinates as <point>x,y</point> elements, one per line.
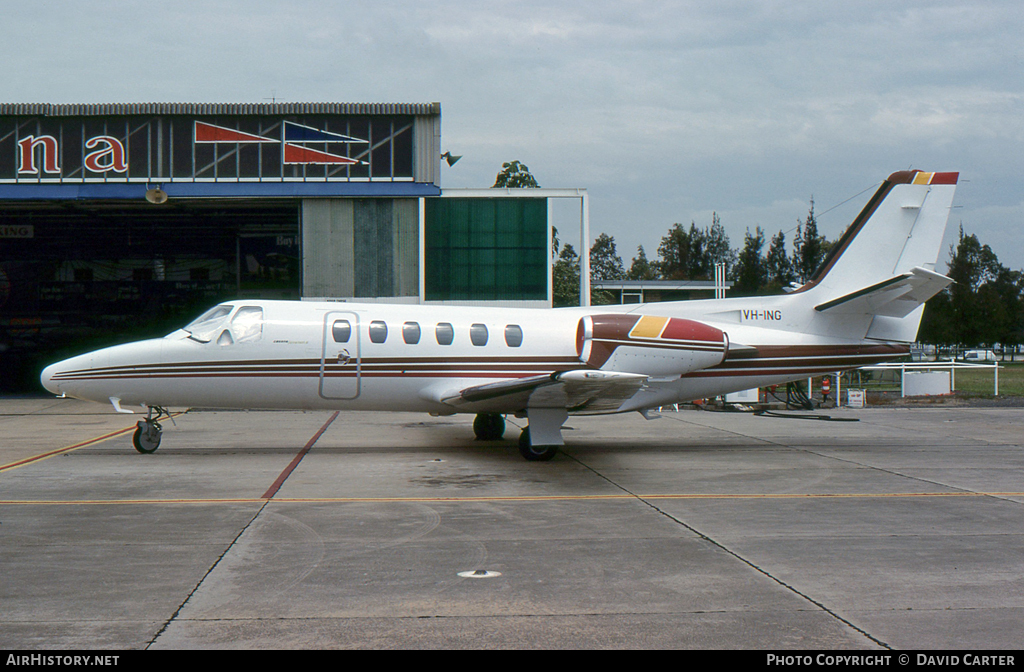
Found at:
<point>204,327</point>
<point>246,325</point>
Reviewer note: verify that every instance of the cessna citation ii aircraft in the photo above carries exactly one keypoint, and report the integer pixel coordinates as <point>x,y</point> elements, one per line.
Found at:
<point>863,306</point>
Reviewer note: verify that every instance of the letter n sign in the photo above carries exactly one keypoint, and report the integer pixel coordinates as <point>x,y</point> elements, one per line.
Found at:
<point>48,143</point>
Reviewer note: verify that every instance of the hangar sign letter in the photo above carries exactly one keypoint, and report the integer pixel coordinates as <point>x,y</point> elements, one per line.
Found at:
<point>109,156</point>
<point>28,155</point>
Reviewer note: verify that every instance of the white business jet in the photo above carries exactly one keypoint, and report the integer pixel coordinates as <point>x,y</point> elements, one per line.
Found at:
<point>863,306</point>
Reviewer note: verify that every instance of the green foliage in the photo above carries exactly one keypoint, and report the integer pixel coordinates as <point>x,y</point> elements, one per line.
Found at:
<point>565,278</point>
<point>605,263</point>
<point>751,268</point>
<point>692,255</point>
<point>515,175</point>
<point>982,307</point>
<point>778,266</point>
<point>809,248</point>
<point>641,268</point>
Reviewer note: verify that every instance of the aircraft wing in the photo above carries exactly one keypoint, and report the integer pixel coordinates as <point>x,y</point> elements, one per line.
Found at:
<point>895,297</point>
<point>579,391</point>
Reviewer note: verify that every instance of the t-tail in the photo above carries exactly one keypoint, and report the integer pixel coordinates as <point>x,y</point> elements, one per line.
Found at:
<point>882,270</point>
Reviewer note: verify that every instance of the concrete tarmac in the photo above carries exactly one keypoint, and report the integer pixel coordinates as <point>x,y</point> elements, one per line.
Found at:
<point>885,529</point>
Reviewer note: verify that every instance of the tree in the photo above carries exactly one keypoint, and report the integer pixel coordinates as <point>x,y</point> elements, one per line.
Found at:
<point>778,266</point>
<point>565,278</point>
<point>751,268</point>
<point>809,248</point>
<point>983,306</point>
<point>718,250</point>
<point>675,250</point>
<point>693,254</point>
<point>605,263</point>
<point>514,175</point>
<point>1008,329</point>
<point>971,265</point>
<point>641,268</point>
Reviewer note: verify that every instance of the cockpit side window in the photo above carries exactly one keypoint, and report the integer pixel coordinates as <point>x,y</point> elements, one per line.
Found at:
<point>247,324</point>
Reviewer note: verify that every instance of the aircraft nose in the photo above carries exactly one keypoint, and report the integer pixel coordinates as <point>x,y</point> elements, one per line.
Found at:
<point>46,378</point>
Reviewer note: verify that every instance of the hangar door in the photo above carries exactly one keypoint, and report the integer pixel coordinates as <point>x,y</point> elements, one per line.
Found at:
<point>84,274</point>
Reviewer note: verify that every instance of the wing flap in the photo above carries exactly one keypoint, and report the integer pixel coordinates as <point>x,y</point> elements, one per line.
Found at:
<point>578,391</point>
<point>895,297</point>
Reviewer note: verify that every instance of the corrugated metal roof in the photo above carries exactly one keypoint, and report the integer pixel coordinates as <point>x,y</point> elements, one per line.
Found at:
<point>205,109</point>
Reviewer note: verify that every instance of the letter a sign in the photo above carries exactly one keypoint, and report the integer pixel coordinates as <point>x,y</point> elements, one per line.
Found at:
<point>108,156</point>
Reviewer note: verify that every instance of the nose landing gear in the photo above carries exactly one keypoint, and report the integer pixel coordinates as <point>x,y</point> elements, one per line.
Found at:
<point>146,438</point>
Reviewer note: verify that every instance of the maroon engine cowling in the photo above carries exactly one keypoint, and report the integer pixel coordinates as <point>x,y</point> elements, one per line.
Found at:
<point>650,345</point>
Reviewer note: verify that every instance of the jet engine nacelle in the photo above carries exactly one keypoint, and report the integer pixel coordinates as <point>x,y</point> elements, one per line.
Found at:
<point>649,345</point>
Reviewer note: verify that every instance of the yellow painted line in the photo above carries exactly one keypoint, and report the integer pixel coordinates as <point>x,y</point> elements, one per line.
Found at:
<point>923,178</point>
<point>526,498</point>
<point>65,449</point>
<point>68,449</point>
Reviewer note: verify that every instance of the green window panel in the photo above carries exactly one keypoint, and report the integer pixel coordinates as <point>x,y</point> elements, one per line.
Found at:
<point>486,249</point>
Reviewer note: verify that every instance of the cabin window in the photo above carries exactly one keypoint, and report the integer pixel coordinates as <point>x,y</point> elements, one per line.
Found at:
<point>513,335</point>
<point>478,334</point>
<point>378,331</point>
<point>247,324</point>
<point>341,330</point>
<point>445,333</point>
<point>411,333</point>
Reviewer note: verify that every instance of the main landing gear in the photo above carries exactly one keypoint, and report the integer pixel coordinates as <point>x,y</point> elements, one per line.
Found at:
<point>540,441</point>
<point>539,445</point>
<point>489,426</point>
<point>146,438</point>
<point>535,453</point>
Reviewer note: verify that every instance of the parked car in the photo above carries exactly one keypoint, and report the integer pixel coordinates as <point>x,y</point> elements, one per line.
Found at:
<point>980,356</point>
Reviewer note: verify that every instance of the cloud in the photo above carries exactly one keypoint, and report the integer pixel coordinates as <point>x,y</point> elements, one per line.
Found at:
<point>664,111</point>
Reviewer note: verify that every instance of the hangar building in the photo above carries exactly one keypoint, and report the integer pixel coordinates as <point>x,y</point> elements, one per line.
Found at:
<point>121,221</point>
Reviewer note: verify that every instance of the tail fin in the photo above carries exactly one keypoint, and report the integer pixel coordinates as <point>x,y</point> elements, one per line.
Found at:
<point>901,227</point>
<point>884,264</point>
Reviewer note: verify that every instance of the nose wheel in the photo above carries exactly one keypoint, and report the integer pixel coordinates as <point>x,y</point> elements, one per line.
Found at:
<point>148,432</point>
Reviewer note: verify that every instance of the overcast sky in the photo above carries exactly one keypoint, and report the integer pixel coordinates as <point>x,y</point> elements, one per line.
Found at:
<point>663,111</point>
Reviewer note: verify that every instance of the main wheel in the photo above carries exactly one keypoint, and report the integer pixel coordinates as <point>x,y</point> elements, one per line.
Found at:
<point>489,426</point>
<point>146,438</point>
<point>535,453</point>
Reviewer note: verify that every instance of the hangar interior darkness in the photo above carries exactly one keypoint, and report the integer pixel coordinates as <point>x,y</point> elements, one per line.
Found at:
<point>151,268</point>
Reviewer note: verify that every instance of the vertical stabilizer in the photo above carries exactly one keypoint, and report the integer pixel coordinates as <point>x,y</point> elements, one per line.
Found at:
<point>899,229</point>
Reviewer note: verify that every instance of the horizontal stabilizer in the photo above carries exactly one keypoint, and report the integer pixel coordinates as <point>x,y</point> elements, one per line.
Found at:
<point>895,297</point>
<point>580,391</point>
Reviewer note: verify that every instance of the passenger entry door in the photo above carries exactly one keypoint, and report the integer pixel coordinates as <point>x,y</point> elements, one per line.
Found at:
<point>340,365</point>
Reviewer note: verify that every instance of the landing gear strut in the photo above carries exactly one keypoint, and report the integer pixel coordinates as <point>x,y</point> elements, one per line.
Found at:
<point>146,438</point>
<point>489,426</point>
<point>540,441</point>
